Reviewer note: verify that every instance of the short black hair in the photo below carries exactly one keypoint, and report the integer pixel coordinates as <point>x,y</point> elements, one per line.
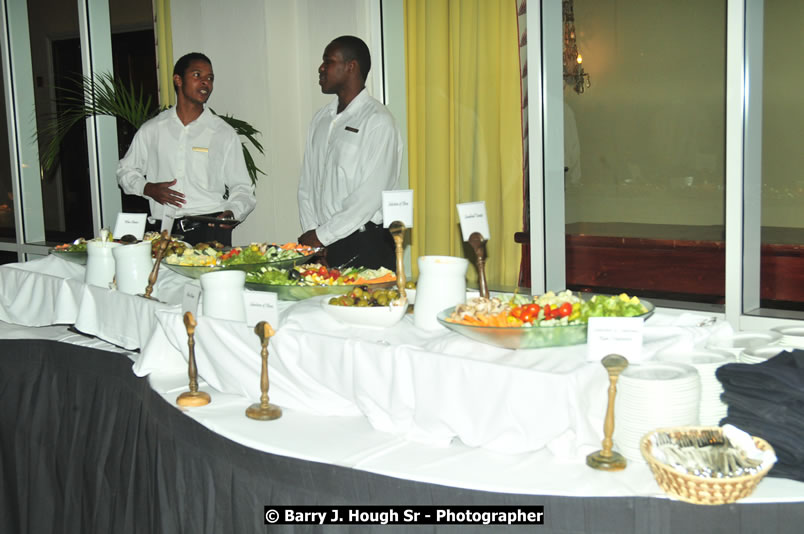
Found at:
<point>352,47</point>
<point>184,63</point>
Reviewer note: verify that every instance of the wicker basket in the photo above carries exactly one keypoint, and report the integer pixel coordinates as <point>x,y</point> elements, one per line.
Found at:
<point>695,489</point>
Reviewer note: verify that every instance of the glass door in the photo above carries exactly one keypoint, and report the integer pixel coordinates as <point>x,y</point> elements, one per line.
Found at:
<point>644,147</point>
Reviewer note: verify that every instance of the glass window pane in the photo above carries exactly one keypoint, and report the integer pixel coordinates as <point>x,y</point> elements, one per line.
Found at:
<point>134,56</point>
<point>56,59</point>
<point>646,172</point>
<point>782,264</point>
<point>8,257</point>
<point>8,231</point>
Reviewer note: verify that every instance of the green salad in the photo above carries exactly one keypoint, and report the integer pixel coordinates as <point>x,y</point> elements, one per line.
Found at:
<point>613,306</point>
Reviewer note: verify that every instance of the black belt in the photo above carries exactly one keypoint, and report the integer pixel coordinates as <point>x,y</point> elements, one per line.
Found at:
<point>368,226</point>
<point>182,225</point>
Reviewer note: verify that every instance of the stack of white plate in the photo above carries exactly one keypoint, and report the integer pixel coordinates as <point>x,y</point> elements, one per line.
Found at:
<point>706,361</point>
<point>738,341</point>
<point>652,395</point>
<point>792,336</point>
<point>760,354</point>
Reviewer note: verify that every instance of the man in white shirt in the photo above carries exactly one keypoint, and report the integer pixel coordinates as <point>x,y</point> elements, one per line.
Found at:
<point>188,161</point>
<point>353,154</point>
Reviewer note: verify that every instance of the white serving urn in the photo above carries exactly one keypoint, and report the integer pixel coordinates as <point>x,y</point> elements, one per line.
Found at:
<point>100,263</point>
<point>441,284</point>
<point>222,295</point>
<point>132,267</point>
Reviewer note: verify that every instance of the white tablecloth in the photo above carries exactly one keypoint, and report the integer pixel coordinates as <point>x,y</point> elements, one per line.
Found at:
<point>52,291</point>
<point>317,370</point>
<point>429,387</point>
<point>40,292</point>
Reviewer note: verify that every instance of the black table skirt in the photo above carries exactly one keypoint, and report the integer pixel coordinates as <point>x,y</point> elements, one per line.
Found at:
<point>89,447</point>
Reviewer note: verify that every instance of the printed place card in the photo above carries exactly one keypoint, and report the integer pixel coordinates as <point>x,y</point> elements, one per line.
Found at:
<point>262,306</point>
<point>614,335</point>
<point>168,214</point>
<point>190,298</point>
<point>473,219</point>
<point>397,206</point>
<point>130,223</point>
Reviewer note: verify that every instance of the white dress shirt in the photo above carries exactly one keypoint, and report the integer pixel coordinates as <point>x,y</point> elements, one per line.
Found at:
<point>349,160</point>
<point>204,157</point>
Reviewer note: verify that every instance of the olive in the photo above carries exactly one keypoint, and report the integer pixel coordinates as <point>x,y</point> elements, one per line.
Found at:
<point>410,284</point>
<point>335,301</point>
<point>358,292</point>
<point>382,299</point>
<point>362,303</point>
<point>393,294</point>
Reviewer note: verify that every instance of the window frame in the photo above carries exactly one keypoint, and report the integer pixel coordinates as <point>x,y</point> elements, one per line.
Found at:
<point>95,35</point>
<point>744,36</point>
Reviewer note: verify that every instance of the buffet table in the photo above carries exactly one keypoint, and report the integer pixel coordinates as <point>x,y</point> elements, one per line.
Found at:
<point>449,420</point>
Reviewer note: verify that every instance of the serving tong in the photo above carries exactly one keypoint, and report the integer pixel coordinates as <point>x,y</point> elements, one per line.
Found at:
<point>708,454</point>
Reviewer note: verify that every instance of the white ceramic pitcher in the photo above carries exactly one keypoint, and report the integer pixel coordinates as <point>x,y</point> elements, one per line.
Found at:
<point>222,295</point>
<point>441,284</point>
<point>132,267</point>
<point>100,263</point>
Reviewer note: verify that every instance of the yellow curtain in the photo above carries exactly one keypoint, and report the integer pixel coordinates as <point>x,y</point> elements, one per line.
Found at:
<point>164,52</point>
<point>464,127</point>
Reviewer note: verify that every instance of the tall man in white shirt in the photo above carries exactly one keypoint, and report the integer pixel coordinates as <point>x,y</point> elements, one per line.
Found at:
<point>353,153</point>
<point>188,161</point>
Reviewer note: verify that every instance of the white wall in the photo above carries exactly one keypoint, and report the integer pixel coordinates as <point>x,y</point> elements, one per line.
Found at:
<point>265,54</point>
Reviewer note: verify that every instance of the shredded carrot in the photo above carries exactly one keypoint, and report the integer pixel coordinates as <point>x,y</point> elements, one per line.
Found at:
<point>499,320</point>
<point>390,277</point>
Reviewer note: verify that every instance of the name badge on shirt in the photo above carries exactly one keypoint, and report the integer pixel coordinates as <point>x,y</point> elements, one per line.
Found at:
<point>350,129</point>
<point>200,149</point>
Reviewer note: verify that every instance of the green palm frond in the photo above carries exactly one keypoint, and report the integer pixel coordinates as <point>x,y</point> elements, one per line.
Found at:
<point>249,132</point>
<point>101,96</point>
<point>104,95</point>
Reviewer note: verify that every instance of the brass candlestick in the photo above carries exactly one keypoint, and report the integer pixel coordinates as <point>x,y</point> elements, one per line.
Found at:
<point>192,397</point>
<point>607,459</point>
<point>264,410</point>
<point>163,245</point>
<point>479,245</point>
<point>397,230</point>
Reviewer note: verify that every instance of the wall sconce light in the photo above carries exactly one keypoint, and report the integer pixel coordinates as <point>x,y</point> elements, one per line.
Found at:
<point>574,75</point>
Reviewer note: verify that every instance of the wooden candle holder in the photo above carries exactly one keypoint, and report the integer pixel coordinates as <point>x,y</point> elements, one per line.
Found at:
<point>606,459</point>
<point>264,410</point>
<point>479,246</point>
<point>192,397</point>
<point>397,230</point>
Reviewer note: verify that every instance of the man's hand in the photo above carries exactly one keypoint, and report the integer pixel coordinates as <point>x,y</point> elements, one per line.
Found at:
<point>225,215</point>
<point>162,193</point>
<point>310,238</point>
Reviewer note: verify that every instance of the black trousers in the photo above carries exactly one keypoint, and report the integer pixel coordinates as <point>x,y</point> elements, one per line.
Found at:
<point>194,232</point>
<point>372,247</point>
